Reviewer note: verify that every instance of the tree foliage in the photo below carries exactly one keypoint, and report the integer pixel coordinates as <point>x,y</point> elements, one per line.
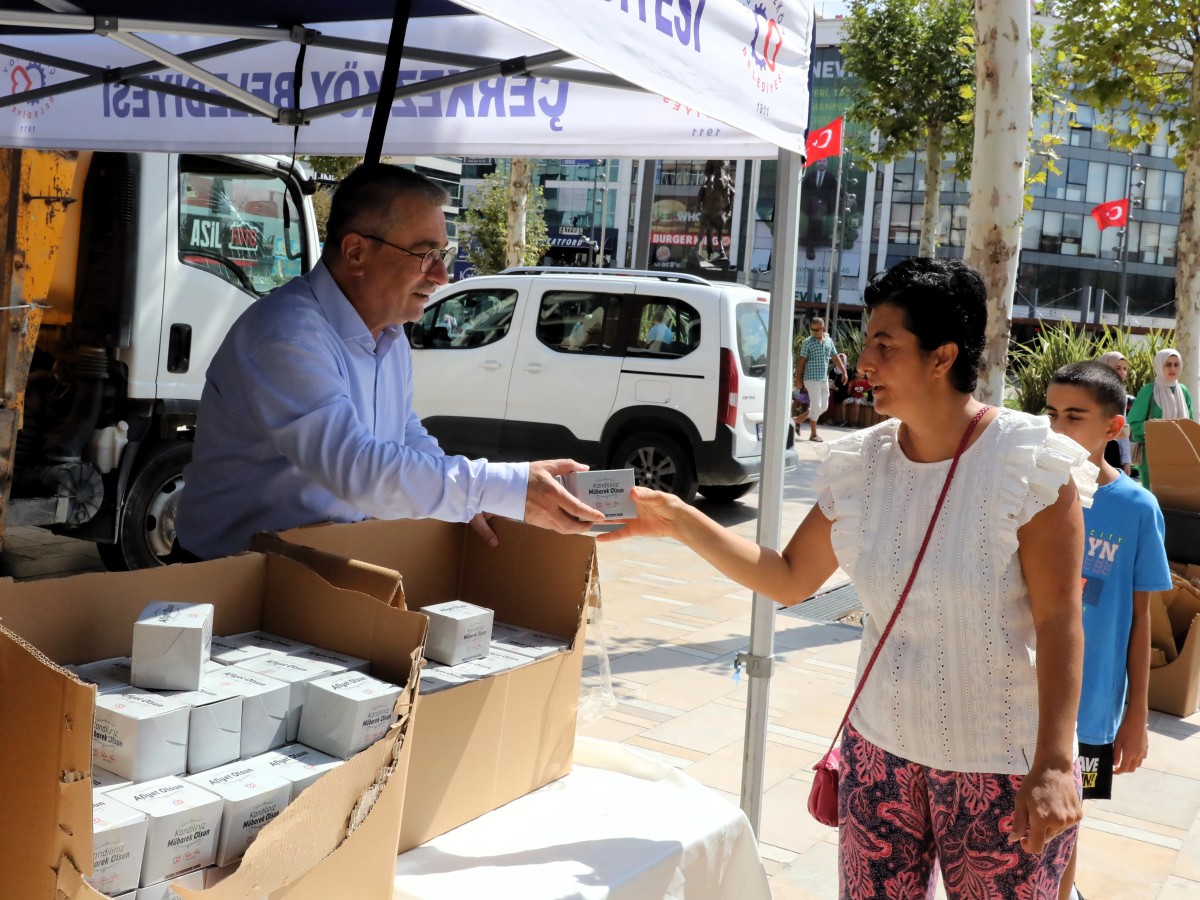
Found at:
<point>1136,56</point>
<point>914,61</point>
<point>1138,59</point>
<point>485,225</point>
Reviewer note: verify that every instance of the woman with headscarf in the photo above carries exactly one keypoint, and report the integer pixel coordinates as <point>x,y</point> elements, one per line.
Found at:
<point>1118,453</point>
<point>1163,398</point>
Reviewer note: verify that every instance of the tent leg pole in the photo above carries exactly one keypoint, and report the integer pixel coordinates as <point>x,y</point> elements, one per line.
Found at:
<point>387,82</point>
<point>759,661</point>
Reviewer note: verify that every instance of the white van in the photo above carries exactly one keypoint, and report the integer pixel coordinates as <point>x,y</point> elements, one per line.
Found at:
<point>659,372</point>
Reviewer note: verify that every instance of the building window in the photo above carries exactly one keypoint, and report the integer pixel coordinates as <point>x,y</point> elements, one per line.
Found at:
<point>1031,232</point>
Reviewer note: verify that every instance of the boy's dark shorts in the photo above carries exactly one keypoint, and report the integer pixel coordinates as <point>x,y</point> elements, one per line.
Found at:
<point>1096,764</point>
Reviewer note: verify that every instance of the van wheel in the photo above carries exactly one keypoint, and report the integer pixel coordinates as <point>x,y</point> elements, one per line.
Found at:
<point>659,463</point>
<point>146,537</point>
<point>726,493</point>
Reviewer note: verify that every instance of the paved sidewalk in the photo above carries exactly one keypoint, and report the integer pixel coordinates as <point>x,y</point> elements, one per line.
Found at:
<point>673,626</point>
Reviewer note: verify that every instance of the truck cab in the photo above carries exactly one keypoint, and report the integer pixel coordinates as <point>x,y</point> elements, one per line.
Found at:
<point>160,254</point>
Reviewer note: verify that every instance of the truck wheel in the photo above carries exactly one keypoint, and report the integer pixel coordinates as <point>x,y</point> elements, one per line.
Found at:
<point>658,462</point>
<point>726,493</point>
<point>146,537</point>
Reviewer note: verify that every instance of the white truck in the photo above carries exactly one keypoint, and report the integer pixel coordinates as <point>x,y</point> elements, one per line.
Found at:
<point>125,271</point>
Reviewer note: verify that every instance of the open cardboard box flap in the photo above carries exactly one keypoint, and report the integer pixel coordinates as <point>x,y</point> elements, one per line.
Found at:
<point>1173,449</point>
<point>1175,628</point>
<point>45,744</point>
<point>485,743</point>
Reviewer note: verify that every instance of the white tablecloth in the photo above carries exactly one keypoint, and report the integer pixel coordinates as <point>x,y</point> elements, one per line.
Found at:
<point>620,826</point>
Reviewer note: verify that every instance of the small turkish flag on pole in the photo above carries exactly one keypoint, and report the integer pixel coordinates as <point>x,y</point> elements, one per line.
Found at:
<point>824,143</point>
<point>1115,212</point>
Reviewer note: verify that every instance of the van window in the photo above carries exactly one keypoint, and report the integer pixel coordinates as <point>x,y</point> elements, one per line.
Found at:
<point>666,328</point>
<point>752,338</point>
<point>241,225</point>
<point>465,320</point>
<point>581,322</point>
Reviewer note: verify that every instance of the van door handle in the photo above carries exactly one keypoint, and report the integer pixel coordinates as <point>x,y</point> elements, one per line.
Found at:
<point>534,368</point>
<point>491,365</point>
<point>179,348</point>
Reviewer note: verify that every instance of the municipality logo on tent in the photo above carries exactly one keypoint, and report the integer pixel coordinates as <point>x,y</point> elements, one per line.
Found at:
<point>23,76</point>
<point>764,43</point>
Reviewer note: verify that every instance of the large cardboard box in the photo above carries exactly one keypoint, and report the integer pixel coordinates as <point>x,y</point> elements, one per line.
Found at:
<point>480,745</point>
<point>1175,630</point>
<point>46,735</point>
<point>1173,449</point>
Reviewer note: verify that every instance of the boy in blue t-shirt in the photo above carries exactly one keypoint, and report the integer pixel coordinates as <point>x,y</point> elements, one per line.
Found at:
<point>1124,560</point>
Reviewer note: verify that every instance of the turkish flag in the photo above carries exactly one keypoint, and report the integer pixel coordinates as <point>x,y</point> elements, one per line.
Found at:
<point>824,143</point>
<point>1115,212</point>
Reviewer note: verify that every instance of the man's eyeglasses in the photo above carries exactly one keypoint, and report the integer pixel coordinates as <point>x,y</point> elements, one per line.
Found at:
<point>445,255</point>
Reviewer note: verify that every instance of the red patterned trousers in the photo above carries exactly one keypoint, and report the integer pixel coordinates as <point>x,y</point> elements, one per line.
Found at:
<point>900,819</point>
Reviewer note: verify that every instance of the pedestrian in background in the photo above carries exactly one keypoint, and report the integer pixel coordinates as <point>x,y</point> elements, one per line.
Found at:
<point>812,372</point>
<point>1119,451</point>
<point>1163,398</point>
<point>960,751</point>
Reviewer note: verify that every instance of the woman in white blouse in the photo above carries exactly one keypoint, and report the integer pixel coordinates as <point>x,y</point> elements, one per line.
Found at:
<point>960,750</point>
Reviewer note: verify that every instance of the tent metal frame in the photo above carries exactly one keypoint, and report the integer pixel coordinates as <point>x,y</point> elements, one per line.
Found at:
<point>551,64</point>
<point>758,660</point>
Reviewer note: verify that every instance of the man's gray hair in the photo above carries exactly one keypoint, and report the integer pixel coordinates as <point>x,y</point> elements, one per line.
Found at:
<point>365,197</point>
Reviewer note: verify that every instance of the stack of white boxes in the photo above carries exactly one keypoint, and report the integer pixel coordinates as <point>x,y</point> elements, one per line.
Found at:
<point>509,647</point>
<point>190,750</point>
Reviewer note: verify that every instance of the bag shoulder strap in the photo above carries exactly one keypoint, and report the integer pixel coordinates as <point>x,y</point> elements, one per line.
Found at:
<point>912,575</point>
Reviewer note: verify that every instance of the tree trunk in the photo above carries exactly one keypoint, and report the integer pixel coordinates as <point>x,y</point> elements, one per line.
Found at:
<point>1003,119</point>
<point>518,203</point>
<point>1187,265</point>
<point>933,192</point>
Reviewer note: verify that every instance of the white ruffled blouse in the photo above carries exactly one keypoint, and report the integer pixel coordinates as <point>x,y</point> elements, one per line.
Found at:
<point>955,685</point>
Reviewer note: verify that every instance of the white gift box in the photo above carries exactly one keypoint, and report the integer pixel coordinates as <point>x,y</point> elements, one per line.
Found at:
<point>498,660</point>
<point>337,662</point>
<point>118,842</point>
<point>171,643</point>
<point>298,764</point>
<point>252,799</point>
<point>264,708</point>
<point>458,631</point>
<point>214,725</point>
<point>252,641</point>
<point>162,890</point>
<point>104,781</point>
<point>296,673</point>
<point>437,678</point>
<point>347,712</point>
<point>232,650</point>
<point>183,824</point>
<point>110,676</point>
<point>533,644</point>
<point>606,490</point>
<point>140,735</point>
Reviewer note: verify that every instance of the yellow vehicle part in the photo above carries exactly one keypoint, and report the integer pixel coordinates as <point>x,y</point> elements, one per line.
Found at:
<point>37,192</point>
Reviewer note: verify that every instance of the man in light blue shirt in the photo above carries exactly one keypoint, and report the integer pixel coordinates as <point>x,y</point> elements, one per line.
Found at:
<point>306,414</point>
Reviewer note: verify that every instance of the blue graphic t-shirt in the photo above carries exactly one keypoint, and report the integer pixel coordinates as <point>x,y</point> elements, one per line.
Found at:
<point>1123,552</point>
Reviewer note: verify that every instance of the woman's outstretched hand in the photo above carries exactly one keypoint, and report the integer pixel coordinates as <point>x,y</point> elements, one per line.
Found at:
<point>658,515</point>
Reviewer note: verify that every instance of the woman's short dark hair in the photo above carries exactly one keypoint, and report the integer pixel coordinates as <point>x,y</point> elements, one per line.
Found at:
<point>365,197</point>
<point>944,302</point>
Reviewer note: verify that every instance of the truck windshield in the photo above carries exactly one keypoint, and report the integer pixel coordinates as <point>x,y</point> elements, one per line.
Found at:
<point>232,224</point>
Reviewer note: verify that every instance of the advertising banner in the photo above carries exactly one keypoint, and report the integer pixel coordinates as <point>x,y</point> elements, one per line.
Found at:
<point>502,116</point>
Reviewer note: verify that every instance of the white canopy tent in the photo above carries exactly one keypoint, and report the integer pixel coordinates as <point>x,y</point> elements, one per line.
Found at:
<point>600,78</point>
